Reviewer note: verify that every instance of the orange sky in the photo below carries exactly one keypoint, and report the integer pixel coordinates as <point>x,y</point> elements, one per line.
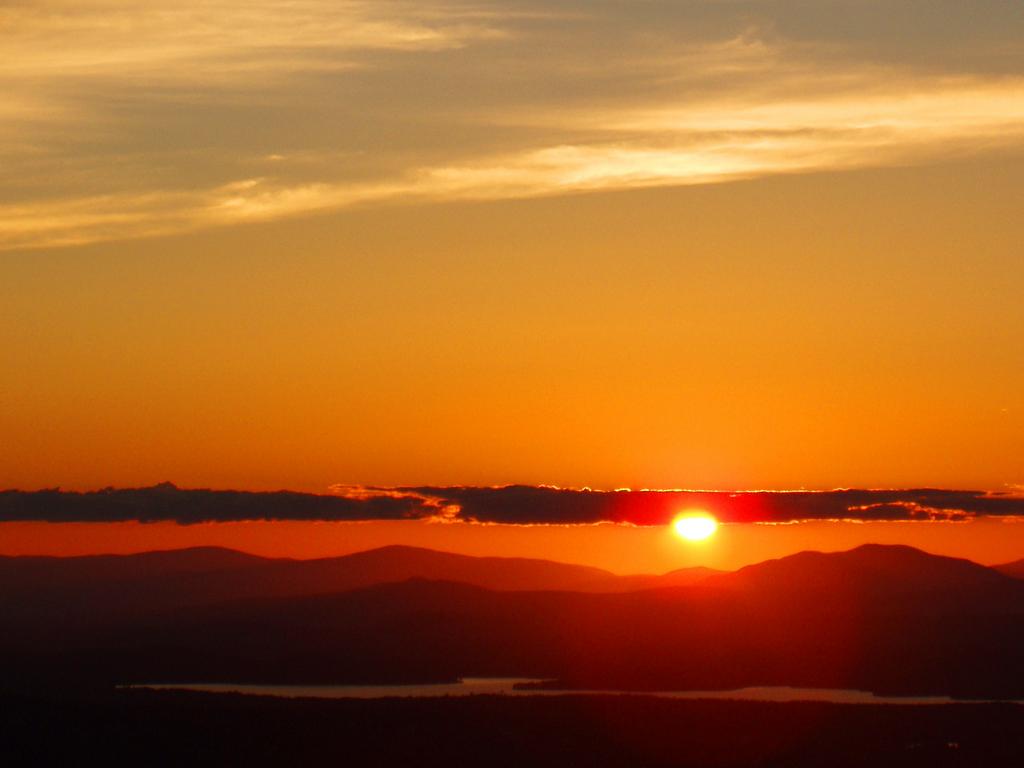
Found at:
<point>701,245</point>
<point>623,549</point>
<point>855,330</point>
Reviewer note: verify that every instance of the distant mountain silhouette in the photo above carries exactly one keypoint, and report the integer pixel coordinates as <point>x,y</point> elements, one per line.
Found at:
<point>870,572</point>
<point>110,586</point>
<point>1014,569</point>
<point>682,577</point>
<point>210,574</point>
<point>112,568</point>
<point>889,619</point>
<point>871,564</point>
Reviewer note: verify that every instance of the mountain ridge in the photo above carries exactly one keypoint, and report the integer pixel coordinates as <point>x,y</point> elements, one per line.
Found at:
<point>937,636</point>
<point>390,562</point>
<point>1014,569</point>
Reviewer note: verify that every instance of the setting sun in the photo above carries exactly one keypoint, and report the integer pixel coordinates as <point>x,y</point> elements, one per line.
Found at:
<point>695,526</point>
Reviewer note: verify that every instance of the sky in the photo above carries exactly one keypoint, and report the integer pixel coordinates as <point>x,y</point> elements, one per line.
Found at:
<point>620,549</point>
<point>718,244</point>
<point>622,531</point>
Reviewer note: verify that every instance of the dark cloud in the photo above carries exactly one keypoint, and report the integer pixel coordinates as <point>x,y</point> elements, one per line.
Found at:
<point>544,505</point>
<point>165,502</point>
<point>522,505</point>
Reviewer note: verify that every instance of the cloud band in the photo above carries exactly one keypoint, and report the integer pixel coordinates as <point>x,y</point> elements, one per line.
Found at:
<point>513,505</point>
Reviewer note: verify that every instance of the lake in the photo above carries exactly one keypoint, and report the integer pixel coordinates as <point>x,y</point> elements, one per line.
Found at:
<point>477,686</point>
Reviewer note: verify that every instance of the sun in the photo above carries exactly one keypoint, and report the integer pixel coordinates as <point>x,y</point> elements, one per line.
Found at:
<point>695,526</point>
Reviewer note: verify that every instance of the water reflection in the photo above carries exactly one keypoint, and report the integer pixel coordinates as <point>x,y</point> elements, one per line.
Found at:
<point>476,686</point>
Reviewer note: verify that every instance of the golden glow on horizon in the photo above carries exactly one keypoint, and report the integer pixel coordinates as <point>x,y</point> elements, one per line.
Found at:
<point>695,526</point>
<point>621,549</point>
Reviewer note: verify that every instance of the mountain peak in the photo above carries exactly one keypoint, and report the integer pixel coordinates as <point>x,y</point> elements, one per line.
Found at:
<point>1014,570</point>
<point>875,568</point>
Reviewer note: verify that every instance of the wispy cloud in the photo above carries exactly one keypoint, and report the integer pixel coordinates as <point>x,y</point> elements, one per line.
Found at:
<point>84,76</point>
<point>712,142</point>
<point>83,54</point>
<point>702,144</point>
<point>193,40</point>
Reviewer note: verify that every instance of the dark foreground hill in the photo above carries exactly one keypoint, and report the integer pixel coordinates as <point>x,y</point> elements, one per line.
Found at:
<point>176,729</point>
<point>886,619</point>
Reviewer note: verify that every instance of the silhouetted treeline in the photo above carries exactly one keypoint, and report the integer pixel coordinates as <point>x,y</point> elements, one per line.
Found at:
<point>136,728</point>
